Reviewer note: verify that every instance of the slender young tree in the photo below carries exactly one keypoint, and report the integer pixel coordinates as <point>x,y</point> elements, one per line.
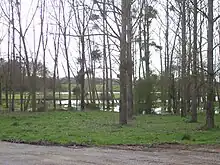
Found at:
<point>13,58</point>
<point>44,47</point>
<point>82,14</point>
<point>130,60</point>
<point>8,80</point>
<point>194,72</point>
<point>104,84</point>
<point>184,91</point>
<point>64,31</point>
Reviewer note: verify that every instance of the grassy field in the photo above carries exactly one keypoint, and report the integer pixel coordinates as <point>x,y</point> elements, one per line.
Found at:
<point>102,128</point>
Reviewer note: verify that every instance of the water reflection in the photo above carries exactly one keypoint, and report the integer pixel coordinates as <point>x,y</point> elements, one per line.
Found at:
<point>76,105</point>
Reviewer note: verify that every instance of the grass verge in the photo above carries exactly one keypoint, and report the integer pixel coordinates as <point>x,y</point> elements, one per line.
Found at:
<point>102,128</point>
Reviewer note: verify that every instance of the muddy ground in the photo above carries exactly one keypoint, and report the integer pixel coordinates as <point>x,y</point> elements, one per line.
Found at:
<point>23,154</point>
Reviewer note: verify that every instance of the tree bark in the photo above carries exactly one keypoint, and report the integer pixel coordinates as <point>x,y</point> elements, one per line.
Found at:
<point>194,93</point>
<point>210,92</point>
<point>129,62</point>
<point>184,90</point>
<point>123,113</point>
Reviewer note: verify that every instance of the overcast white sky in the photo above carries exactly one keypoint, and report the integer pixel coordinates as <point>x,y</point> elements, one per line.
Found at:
<point>28,7</point>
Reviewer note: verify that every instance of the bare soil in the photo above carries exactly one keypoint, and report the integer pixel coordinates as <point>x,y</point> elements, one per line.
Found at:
<point>167,154</point>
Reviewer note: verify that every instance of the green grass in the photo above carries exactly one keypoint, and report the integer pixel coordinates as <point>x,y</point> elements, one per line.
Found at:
<point>102,128</point>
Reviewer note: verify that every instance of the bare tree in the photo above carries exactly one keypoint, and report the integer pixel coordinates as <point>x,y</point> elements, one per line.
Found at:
<point>44,46</point>
<point>184,91</point>
<point>210,92</point>
<point>82,14</point>
<point>195,52</point>
<point>123,64</point>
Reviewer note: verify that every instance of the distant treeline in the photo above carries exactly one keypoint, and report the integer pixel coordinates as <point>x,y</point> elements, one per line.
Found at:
<point>13,76</point>
<point>97,80</point>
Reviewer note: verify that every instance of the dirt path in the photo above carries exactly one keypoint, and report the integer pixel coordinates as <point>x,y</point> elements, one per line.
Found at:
<point>22,154</point>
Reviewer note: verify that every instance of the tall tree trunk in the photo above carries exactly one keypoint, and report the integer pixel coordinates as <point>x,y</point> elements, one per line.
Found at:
<point>59,86</point>
<point>189,63</point>
<point>92,67</point>
<point>68,69</point>
<point>184,90</point>
<point>33,77</point>
<point>123,112</point>
<point>162,96</point>
<point>140,45</point>
<point>66,53</point>
<point>55,75</point>
<point>7,83</point>
<point>129,62</point>
<point>26,58</point>
<point>83,72</point>
<point>105,55</point>
<point>13,61</point>
<point>167,60</point>
<point>194,72</point>
<point>203,84</point>
<point>210,92</point>
<point>44,45</point>
<point>104,93</point>
<point>33,90</point>
<point>21,77</point>
<point>110,69</point>
<point>217,92</point>
<point>174,95</point>
<point>107,84</point>
<point>146,39</point>
<point>173,85</point>
<point>179,82</point>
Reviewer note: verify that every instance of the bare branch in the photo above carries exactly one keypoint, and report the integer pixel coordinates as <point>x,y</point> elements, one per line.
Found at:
<point>215,19</point>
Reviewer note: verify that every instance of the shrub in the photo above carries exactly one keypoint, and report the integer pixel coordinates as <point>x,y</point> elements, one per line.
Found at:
<point>92,106</point>
<point>145,96</point>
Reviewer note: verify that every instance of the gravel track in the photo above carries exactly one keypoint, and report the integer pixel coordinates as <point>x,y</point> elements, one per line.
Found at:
<point>23,154</point>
